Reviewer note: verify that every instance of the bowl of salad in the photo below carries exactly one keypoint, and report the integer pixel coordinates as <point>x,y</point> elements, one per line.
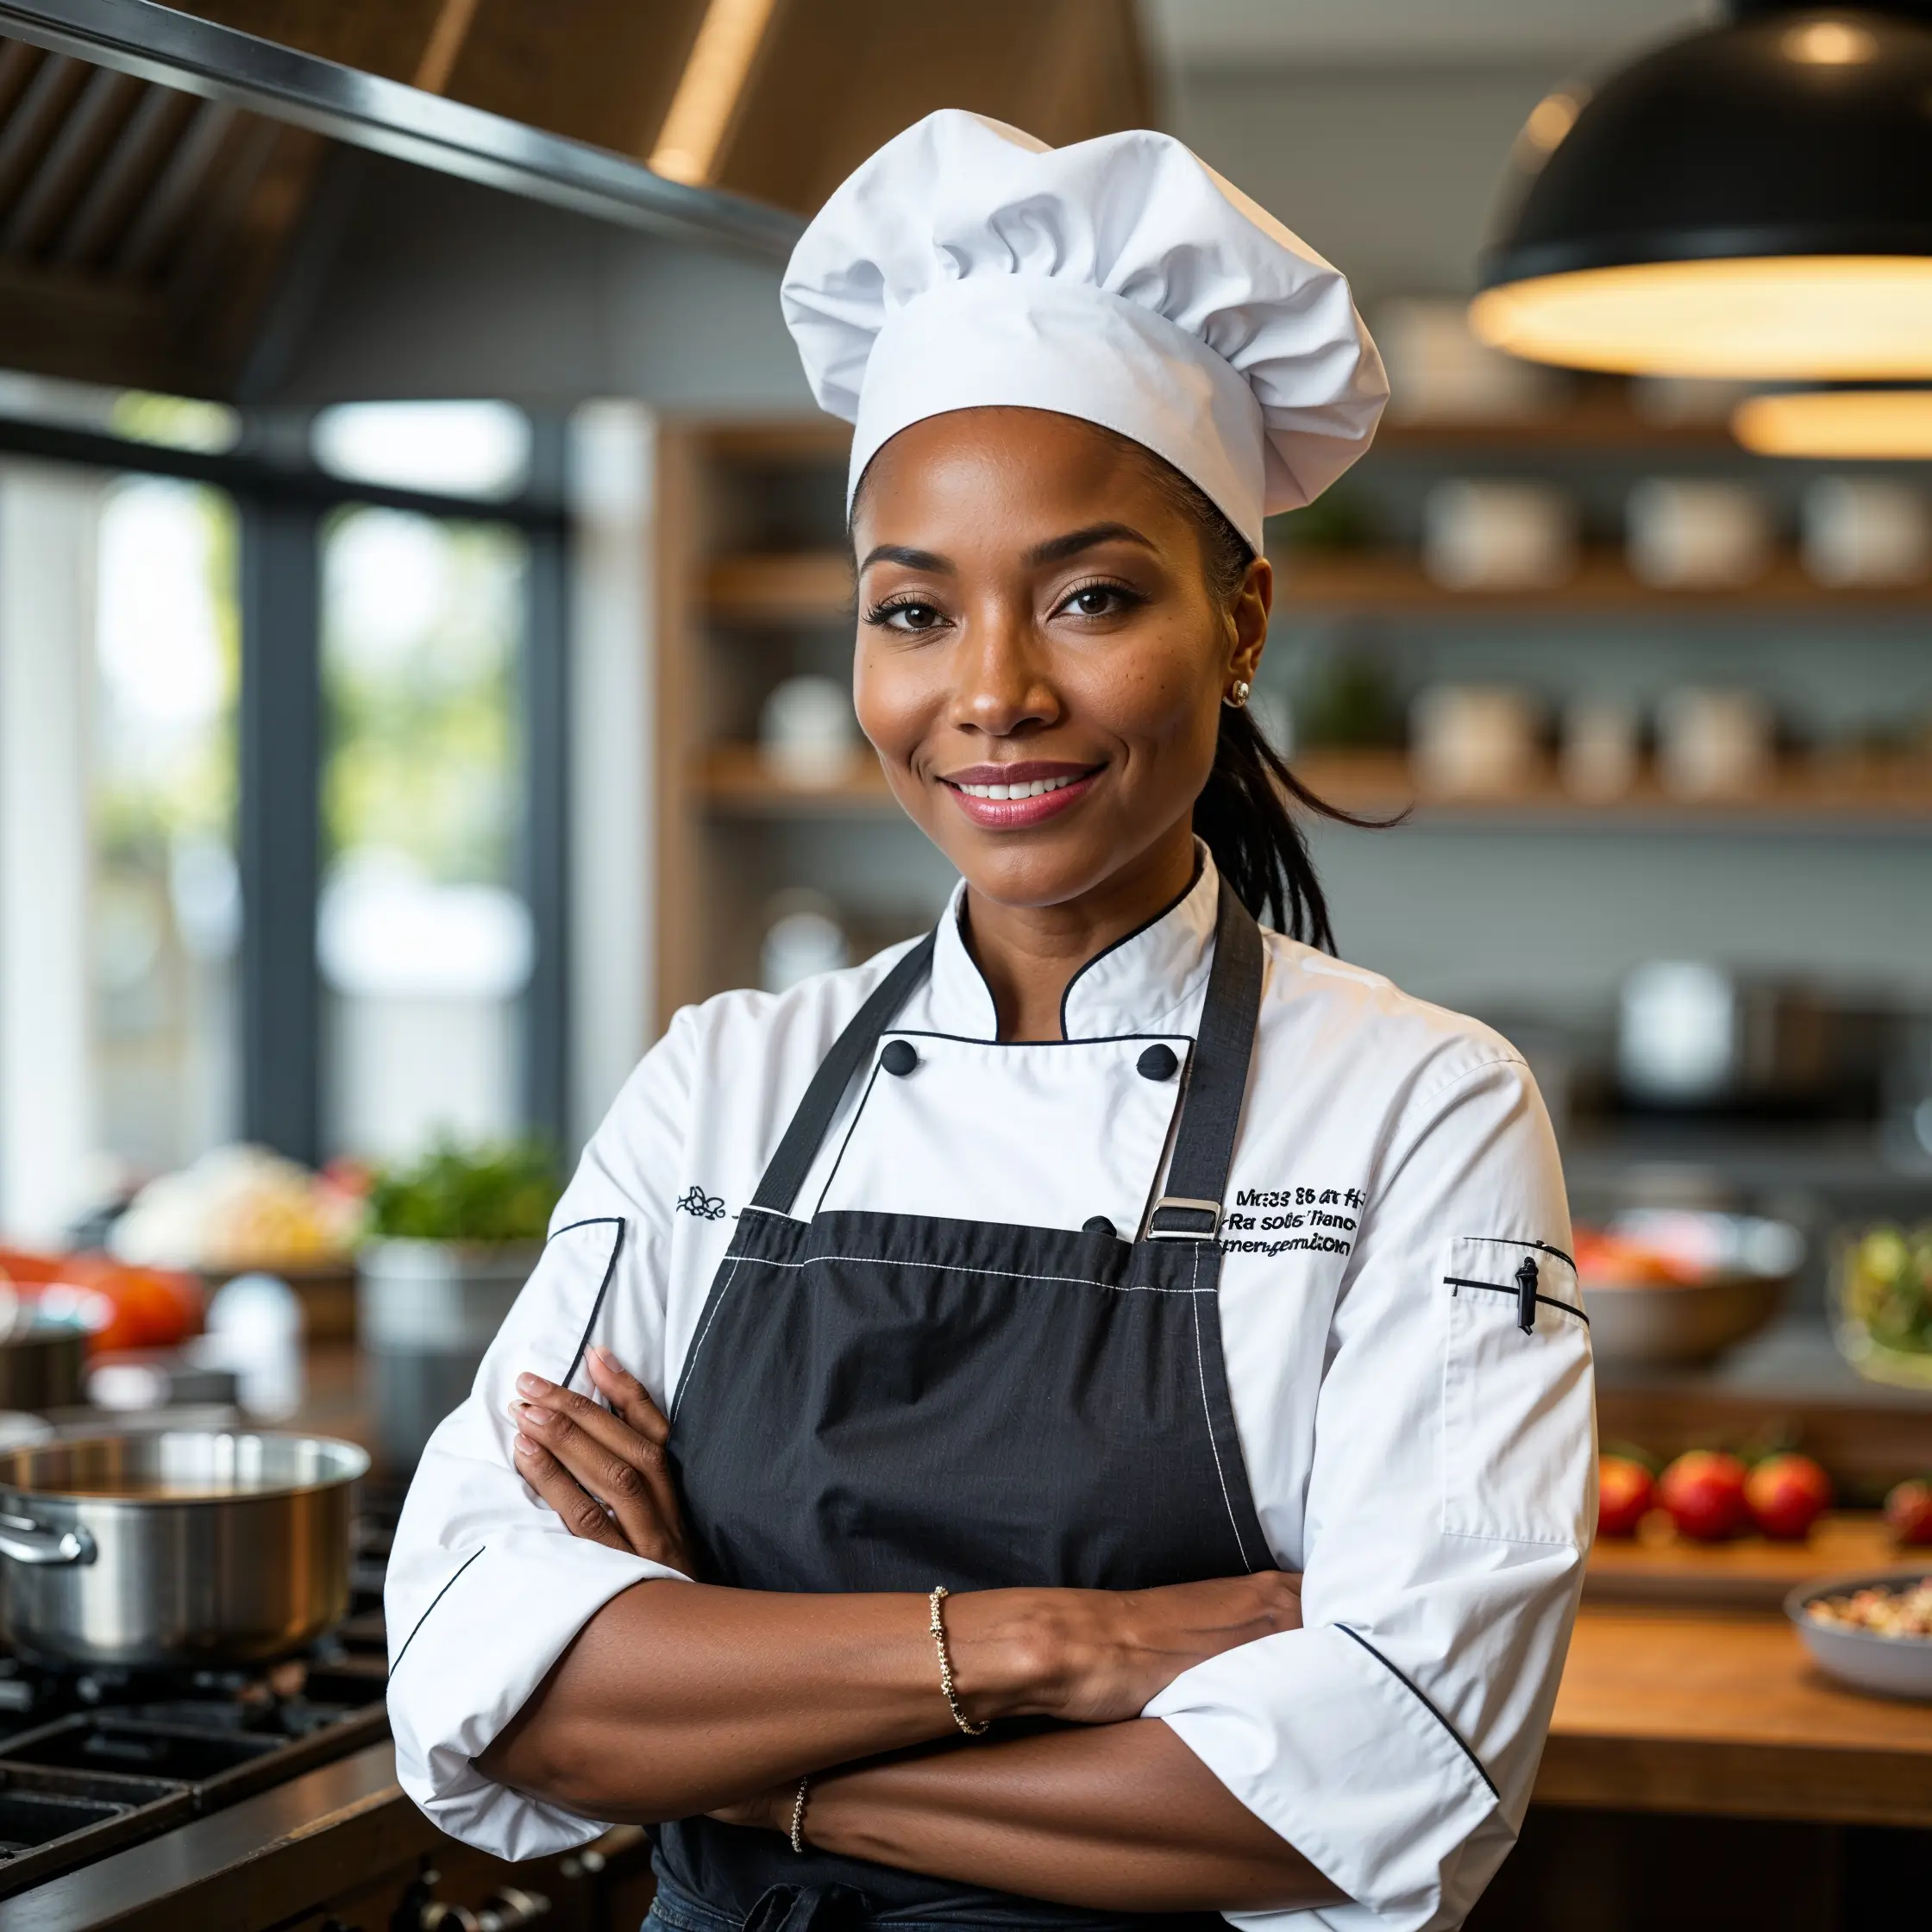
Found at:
<point>1874,1632</point>
<point>1882,1287</point>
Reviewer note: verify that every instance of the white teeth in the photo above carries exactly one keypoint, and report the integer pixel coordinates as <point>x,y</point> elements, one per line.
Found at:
<point>1037,788</point>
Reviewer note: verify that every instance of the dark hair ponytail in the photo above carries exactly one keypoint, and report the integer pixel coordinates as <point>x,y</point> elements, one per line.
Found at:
<point>1243,811</point>
<point>1243,814</point>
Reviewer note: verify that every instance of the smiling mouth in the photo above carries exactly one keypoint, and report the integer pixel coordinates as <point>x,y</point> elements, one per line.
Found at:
<point>1006,799</point>
<point>1030,788</point>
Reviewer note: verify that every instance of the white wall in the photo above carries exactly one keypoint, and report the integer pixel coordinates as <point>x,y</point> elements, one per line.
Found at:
<point>1391,172</point>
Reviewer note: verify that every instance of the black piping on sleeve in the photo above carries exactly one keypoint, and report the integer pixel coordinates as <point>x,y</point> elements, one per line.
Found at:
<point>603,1287</point>
<point>433,1600</point>
<point>1462,1743</point>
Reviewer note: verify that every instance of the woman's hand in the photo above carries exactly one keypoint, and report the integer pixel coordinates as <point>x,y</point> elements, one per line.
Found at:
<point>1099,1656</point>
<point>602,1470</point>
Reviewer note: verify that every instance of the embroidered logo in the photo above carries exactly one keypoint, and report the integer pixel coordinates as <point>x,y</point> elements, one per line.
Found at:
<point>705,1207</point>
<point>1320,1221</point>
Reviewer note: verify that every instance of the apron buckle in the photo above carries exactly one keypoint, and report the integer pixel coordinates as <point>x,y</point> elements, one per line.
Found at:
<point>1184,1204</point>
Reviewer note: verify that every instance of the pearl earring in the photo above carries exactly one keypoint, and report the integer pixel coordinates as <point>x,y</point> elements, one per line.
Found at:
<point>1237,697</point>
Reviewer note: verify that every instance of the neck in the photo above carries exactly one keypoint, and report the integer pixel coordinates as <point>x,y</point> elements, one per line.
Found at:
<point>1030,954</point>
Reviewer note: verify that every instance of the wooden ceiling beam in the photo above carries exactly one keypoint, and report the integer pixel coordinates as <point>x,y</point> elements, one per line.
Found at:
<point>57,183</point>
<point>837,79</point>
<point>107,205</point>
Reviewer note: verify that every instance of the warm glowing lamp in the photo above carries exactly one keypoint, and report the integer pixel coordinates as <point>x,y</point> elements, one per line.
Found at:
<point>1754,201</point>
<point>1858,425</point>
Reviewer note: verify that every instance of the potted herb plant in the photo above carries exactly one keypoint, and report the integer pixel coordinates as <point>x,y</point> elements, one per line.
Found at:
<point>453,1236</point>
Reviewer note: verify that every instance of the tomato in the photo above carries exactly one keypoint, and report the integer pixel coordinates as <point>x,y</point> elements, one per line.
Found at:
<point>1787,1495</point>
<point>1908,1510</point>
<point>1624,1493</point>
<point>1704,1490</point>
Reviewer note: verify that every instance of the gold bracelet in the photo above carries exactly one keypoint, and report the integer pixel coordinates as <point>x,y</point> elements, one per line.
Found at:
<point>939,1595</point>
<point>798,1816</point>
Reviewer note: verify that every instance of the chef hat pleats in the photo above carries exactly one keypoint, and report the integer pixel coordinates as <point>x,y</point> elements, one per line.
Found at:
<point>1120,281</point>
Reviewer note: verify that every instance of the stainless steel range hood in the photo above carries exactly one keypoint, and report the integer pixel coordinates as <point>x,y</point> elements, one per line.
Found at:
<point>185,207</point>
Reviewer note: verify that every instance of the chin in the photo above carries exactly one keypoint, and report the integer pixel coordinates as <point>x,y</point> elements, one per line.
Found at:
<point>1028,872</point>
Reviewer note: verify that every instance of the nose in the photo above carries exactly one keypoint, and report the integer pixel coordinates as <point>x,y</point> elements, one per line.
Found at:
<point>1003,689</point>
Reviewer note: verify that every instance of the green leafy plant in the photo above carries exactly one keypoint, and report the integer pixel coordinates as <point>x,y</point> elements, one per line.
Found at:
<point>1883,1285</point>
<point>453,1193</point>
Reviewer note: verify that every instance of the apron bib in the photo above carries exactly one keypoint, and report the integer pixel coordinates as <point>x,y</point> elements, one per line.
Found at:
<point>886,1402</point>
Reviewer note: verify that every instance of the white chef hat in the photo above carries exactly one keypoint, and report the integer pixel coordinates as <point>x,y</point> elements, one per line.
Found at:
<point>1120,281</point>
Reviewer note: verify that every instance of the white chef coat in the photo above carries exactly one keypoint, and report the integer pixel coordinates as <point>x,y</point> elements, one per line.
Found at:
<point>1425,1462</point>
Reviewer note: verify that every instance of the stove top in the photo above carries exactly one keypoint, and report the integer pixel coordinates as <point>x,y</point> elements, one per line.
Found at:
<point>90,1763</point>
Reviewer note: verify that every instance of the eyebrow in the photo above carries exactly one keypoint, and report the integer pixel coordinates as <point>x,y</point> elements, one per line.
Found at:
<point>1055,549</point>
<point>913,560</point>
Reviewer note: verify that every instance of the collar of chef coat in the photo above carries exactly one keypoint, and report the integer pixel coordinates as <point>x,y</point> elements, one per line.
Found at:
<point>1151,982</point>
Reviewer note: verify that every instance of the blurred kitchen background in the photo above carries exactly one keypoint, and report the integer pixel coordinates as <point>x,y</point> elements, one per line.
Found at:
<point>425,624</point>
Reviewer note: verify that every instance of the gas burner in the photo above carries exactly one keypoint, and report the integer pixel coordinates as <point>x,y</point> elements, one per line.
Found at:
<point>90,1761</point>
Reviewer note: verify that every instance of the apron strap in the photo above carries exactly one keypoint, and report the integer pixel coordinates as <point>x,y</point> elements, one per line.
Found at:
<point>1190,1209</point>
<point>850,1051</point>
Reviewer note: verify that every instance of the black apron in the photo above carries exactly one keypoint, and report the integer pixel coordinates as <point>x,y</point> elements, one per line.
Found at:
<point>886,1402</point>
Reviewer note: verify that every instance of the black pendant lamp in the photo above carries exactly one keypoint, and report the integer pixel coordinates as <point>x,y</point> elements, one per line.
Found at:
<point>1753,201</point>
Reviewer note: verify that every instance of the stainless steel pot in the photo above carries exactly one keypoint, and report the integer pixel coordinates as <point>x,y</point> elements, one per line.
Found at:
<point>175,1548</point>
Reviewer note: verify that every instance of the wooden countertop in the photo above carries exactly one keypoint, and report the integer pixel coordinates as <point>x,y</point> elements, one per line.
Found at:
<point>1687,1691</point>
<point>1692,1711</point>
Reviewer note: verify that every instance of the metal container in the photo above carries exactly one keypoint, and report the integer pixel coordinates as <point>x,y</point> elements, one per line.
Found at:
<point>42,1362</point>
<point>175,1548</point>
<point>1693,1037</point>
<point>426,1311</point>
<point>1735,1274</point>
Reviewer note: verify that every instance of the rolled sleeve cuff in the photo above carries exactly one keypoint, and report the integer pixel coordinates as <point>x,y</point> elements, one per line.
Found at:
<point>488,1638</point>
<point>1334,1751</point>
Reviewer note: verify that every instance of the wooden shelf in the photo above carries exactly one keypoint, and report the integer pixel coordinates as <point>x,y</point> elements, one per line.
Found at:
<point>1394,583</point>
<point>734,782</point>
<point>1591,422</point>
<point>815,588</point>
<point>800,588</point>
<point>809,443</point>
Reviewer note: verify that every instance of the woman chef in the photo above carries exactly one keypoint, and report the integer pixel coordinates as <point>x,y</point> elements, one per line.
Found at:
<point>1112,1433</point>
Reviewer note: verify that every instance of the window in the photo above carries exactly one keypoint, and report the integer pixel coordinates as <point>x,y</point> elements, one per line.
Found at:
<point>180,610</point>
<point>425,946</point>
<point>119,912</point>
<point>166,909</point>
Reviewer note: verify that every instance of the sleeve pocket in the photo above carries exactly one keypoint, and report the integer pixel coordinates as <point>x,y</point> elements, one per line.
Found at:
<point>1517,1437</point>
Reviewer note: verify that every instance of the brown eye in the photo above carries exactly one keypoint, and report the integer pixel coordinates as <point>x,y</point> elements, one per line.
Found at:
<point>910,617</point>
<point>1098,600</point>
